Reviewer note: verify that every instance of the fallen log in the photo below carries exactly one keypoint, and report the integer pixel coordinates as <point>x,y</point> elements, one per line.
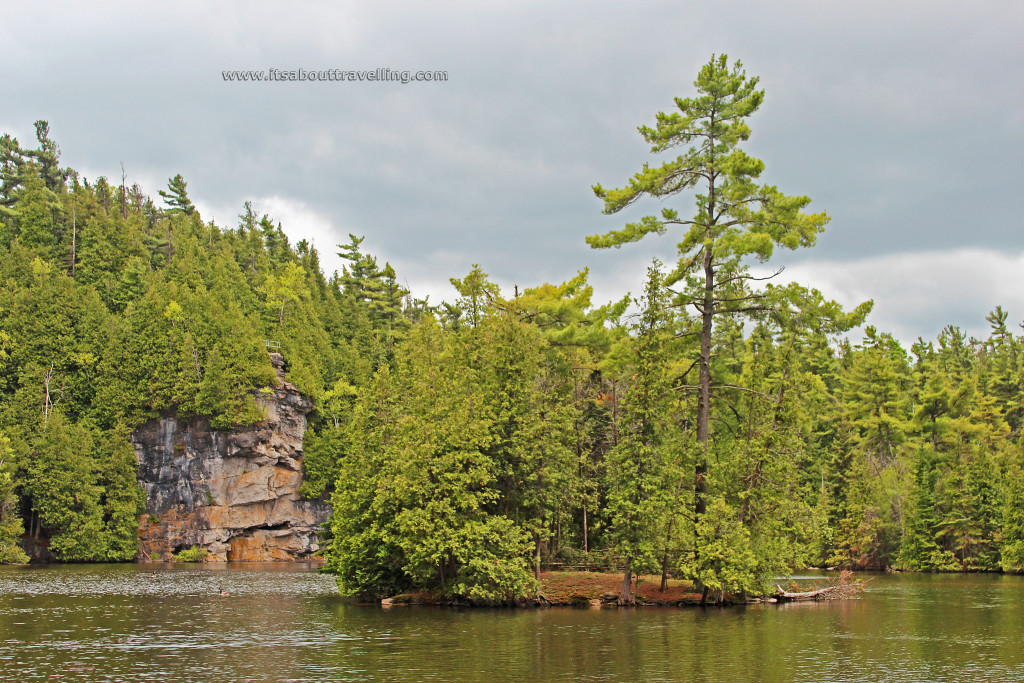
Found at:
<point>820,594</point>
<point>843,588</point>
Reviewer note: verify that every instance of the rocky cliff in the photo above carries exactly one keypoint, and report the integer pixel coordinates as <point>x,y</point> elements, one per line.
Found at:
<point>234,493</point>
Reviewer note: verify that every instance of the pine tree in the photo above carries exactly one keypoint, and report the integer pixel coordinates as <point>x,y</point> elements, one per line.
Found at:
<point>176,196</point>
<point>736,217</point>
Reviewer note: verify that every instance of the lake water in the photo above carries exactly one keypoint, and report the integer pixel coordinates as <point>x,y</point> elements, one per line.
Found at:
<point>287,623</point>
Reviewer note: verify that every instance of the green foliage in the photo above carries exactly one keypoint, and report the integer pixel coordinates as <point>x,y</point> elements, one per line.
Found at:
<point>123,498</point>
<point>11,526</point>
<point>322,465</point>
<point>1012,515</point>
<point>191,554</point>
<point>419,478</point>
<point>724,433</point>
<point>176,196</point>
<point>727,562</point>
<point>644,468</point>
<point>60,482</point>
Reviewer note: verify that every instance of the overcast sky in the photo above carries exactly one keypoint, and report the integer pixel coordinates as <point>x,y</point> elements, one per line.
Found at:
<point>904,121</point>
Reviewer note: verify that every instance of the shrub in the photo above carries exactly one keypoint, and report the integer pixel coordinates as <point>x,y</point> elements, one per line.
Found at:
<point>193,554</point>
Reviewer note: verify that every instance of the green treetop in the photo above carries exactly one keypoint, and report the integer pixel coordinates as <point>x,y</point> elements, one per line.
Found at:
<point>176,196</point>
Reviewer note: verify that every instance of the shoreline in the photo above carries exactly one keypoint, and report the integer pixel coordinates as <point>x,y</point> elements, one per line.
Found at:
<point>598,590</point>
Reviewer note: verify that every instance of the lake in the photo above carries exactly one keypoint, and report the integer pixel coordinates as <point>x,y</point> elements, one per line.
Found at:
<point>285,622</point>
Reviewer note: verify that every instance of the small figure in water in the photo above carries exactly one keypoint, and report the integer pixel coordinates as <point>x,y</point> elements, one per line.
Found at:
<point>223,592</point>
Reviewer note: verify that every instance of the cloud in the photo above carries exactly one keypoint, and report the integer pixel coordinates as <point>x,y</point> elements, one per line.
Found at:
<point>899,119</point>
<point>298,220</point>
<point>917,294</point>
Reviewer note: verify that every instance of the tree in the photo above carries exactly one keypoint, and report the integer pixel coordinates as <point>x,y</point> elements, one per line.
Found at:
<point>876,410</point>
<point>48,158</point>
<point>476,293</point>
<point>176,196</point>
<point>1001,369</point>
<point>11,526</point>
<point>640,466</point>
<point>375,289</point>
<point>415,494</point>
<point>287,286</point>
<point>1012,548</point>
<point>36,213</point>
<point>14,161</point>
<point>736,217</point>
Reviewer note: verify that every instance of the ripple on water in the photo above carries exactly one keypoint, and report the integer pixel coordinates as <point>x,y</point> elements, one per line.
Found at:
<point>132,623</point>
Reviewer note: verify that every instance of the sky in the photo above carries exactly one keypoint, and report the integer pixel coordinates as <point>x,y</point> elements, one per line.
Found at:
<point>904,121</point>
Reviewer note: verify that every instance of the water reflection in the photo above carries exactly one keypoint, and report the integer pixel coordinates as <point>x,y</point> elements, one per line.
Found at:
<point>286,622</point>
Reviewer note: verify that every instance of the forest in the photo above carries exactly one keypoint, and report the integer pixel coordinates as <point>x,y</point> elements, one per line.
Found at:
<point>715,426</point>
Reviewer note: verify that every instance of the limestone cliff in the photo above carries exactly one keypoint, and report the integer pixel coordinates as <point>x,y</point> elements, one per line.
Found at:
<point>234,493</point>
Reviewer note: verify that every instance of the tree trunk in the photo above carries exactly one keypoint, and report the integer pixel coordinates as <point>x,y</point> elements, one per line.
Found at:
<point>626,596</point>
<point>585,546</point>
<point>124,193</point>
<point>700,485</point>
<point>536,556</point>
<point>704,388</point>
<point>558,532</point>
<point>74,239</point>
<point>844,587</point>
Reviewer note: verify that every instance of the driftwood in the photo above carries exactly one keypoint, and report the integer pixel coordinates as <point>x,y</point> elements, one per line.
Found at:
<point>843,588</point>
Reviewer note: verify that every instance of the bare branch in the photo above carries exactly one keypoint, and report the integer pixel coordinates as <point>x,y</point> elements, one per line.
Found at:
<point>739,298</point>
<point>746,309</point>
<point>739,388</point>
<point>680,335</point>
<point>732,430</point>
<point>692,366</point>
<point>751,277</point>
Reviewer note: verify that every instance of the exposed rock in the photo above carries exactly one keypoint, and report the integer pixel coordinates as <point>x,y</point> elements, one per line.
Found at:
<point>234,493</point>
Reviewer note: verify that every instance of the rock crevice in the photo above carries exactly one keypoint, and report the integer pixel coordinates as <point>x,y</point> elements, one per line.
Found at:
<point>232,492</point>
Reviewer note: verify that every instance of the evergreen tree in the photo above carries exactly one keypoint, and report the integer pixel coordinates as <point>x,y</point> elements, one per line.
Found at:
<point>1012,513</point>
<point>421,500</point>
<point>876,411</point>
<point>48,158</point>
<point>176,196</point>
<point>736,217</point>
<point>11,526</point>
<point>643,466</point>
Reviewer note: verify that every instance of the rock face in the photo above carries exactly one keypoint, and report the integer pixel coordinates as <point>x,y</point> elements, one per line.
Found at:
<point>234,493</point>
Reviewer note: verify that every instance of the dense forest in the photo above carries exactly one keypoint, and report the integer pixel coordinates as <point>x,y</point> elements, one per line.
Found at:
<point>714,427</point>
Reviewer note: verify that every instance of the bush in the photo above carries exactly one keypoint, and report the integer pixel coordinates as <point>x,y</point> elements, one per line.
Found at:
<point>193,554</point>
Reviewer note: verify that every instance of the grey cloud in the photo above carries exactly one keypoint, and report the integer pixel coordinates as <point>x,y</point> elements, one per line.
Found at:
<point>901,120</point>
